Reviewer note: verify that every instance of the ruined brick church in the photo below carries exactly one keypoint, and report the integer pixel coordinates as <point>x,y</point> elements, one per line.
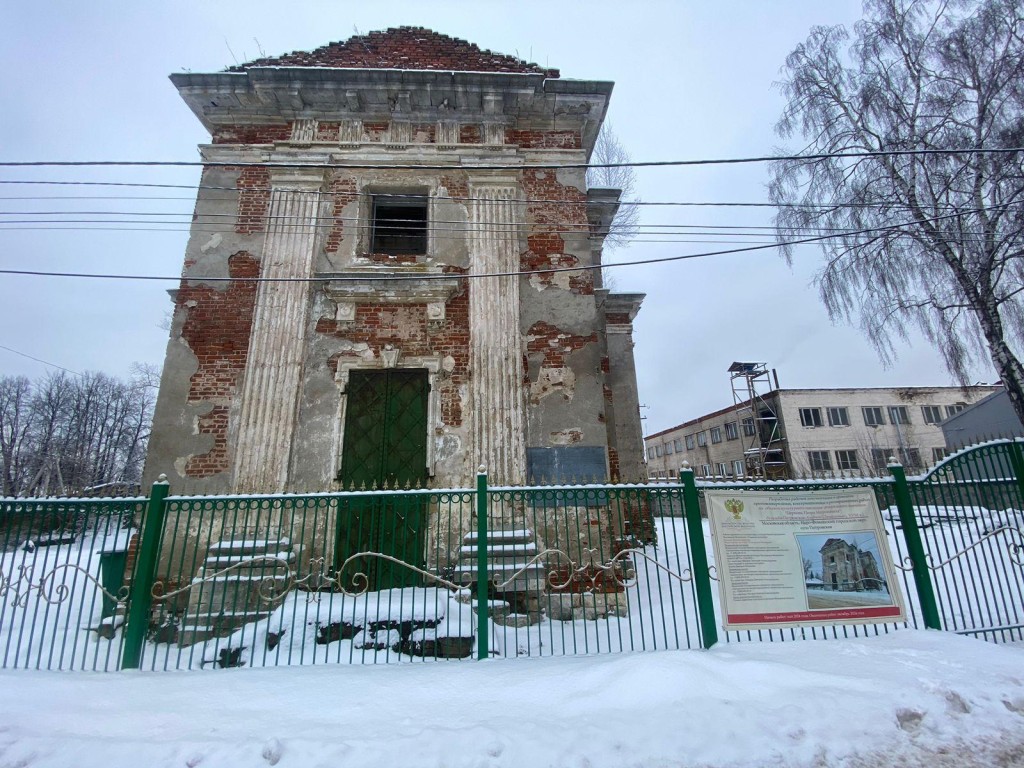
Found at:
<point>349,310</point>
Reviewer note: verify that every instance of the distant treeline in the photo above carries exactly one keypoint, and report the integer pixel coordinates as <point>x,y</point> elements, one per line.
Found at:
<point>74,434</point>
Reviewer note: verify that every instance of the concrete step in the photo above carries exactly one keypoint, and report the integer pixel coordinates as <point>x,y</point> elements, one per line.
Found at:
<point>248,547</point>
<point>515,536</point>
<point>520,549</point>
<point>259,560</point>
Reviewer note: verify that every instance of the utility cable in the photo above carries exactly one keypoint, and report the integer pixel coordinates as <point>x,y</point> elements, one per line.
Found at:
<point>502,166</point>
<point>448,275</point>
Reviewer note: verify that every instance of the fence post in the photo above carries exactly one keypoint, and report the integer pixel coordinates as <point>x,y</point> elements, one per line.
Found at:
<point>483,643</point>
<point>141,597</point>
<point>698,558</point>
<point>915,549</point>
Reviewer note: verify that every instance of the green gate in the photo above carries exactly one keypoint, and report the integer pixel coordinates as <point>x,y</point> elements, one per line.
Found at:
<point>385,446</point>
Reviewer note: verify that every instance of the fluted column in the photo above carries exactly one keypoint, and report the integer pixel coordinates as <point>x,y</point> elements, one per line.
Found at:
<point>277,343</point>
<point>496,345</point>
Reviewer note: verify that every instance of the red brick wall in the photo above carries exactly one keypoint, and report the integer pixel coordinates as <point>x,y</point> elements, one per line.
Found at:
<point>554,343</point>
<point>217,331</point>
<point>253,134</point>
<point>343,192</point>
<point>406,327</point>
<point>563,209</point>
<point>253,199</point>
<point>544,139</point>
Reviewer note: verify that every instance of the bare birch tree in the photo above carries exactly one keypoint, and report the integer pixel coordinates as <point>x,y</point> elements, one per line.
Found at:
<point>916,75</point>
<point>608,149</point>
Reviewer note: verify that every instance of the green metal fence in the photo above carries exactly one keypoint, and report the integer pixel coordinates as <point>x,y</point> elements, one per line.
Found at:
<point>431,575</point>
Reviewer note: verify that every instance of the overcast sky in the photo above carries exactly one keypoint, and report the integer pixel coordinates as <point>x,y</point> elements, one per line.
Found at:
<point>88,81</point>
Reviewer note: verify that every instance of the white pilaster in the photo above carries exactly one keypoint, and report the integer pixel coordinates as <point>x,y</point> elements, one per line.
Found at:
<point>496,345</point>
<point>277,343</point>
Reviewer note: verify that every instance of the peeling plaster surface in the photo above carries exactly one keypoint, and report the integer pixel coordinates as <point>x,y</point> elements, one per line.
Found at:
<point>552,380</point>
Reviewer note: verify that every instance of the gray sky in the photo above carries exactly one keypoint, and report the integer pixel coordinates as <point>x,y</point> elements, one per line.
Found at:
<point>88,81</point>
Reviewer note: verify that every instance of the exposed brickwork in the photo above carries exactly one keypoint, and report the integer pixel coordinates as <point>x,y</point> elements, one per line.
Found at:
<point>547,220</point>
<point>406,327</point>
<point>613,464</point>
<point>402,48</point>
<point>606,364</point>
<point>544,139</point>
<point>457,185</point>
<point>617,318</point>
<point>253,198</point>
<point>554,343</point>
<point>252,134</point>
<point>582,283</point>
<point>327,131</point>
<point>469,134</point>
<point>375,131</point>
<point>217,331</point>
<point>343,192</point>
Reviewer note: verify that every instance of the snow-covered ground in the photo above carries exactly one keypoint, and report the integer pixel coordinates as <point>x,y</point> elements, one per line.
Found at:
<point>911,698</point>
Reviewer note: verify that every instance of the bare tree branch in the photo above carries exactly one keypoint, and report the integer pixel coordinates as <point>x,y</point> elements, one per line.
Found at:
<point>916,74</point>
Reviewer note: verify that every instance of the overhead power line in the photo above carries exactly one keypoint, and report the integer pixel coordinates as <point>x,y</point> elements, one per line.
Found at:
<point>503,166</point>
<point>40,360</point>
<point>448,276</point>
<point>328,194</point>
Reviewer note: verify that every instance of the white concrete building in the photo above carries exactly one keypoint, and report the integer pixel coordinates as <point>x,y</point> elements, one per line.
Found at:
<point>819,432</point>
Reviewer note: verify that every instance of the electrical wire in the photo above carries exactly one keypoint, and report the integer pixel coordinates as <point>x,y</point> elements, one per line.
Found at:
<point>40,360</point>
<point>503,166</point>
<point>448,276</point>
<point>546,201</point>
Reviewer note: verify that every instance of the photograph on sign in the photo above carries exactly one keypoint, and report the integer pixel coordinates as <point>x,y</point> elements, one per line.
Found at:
<point>802,558</point>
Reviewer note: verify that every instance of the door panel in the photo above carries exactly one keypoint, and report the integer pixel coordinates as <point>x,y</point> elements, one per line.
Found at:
<point>385,444</point>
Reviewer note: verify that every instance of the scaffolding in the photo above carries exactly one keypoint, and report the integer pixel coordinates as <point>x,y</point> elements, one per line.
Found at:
<point>763,441</point>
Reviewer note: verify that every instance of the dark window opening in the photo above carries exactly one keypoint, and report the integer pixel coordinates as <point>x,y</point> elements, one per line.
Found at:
<point>399,225</point>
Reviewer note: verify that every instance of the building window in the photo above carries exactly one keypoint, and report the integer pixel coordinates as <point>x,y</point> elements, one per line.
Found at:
<point>880,458</point>
<point>820,461</point>
<point>938,454</point>
<point>873,416</point>
<point>810,417</point>
<point>932,414</point>
<point>705,470</point>
<point>689,442</point>
<point>953,410</point>
<point>748,427</point>
<point>911,457</point>
<point>731,433</point>
<point>399,226</point>
<point>678,445</point>
<point>716,434</point>
<point>722,469</point>
<point>838,417</point>
<point>898,414</point>
<point>847,461</point>
<point>702,439</point>
<point>657,450</point>
<point>737,468</point>
<point>668,449</point>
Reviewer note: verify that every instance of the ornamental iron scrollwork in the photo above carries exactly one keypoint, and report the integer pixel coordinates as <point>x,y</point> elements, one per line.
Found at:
<point>51,592</point>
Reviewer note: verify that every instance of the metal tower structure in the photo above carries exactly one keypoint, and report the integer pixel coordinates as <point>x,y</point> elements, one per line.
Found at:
<point>758,422</point>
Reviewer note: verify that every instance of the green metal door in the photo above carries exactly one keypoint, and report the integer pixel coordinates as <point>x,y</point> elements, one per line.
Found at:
<point>385,446</point>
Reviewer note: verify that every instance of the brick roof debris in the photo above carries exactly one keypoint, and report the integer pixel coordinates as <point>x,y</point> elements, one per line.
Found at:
<point>402,48</point>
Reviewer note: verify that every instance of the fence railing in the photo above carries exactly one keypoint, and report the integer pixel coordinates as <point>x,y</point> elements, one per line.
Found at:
<point>175,582</point>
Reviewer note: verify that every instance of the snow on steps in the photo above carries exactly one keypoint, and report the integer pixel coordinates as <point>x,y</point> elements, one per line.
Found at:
<point>219,604</point>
